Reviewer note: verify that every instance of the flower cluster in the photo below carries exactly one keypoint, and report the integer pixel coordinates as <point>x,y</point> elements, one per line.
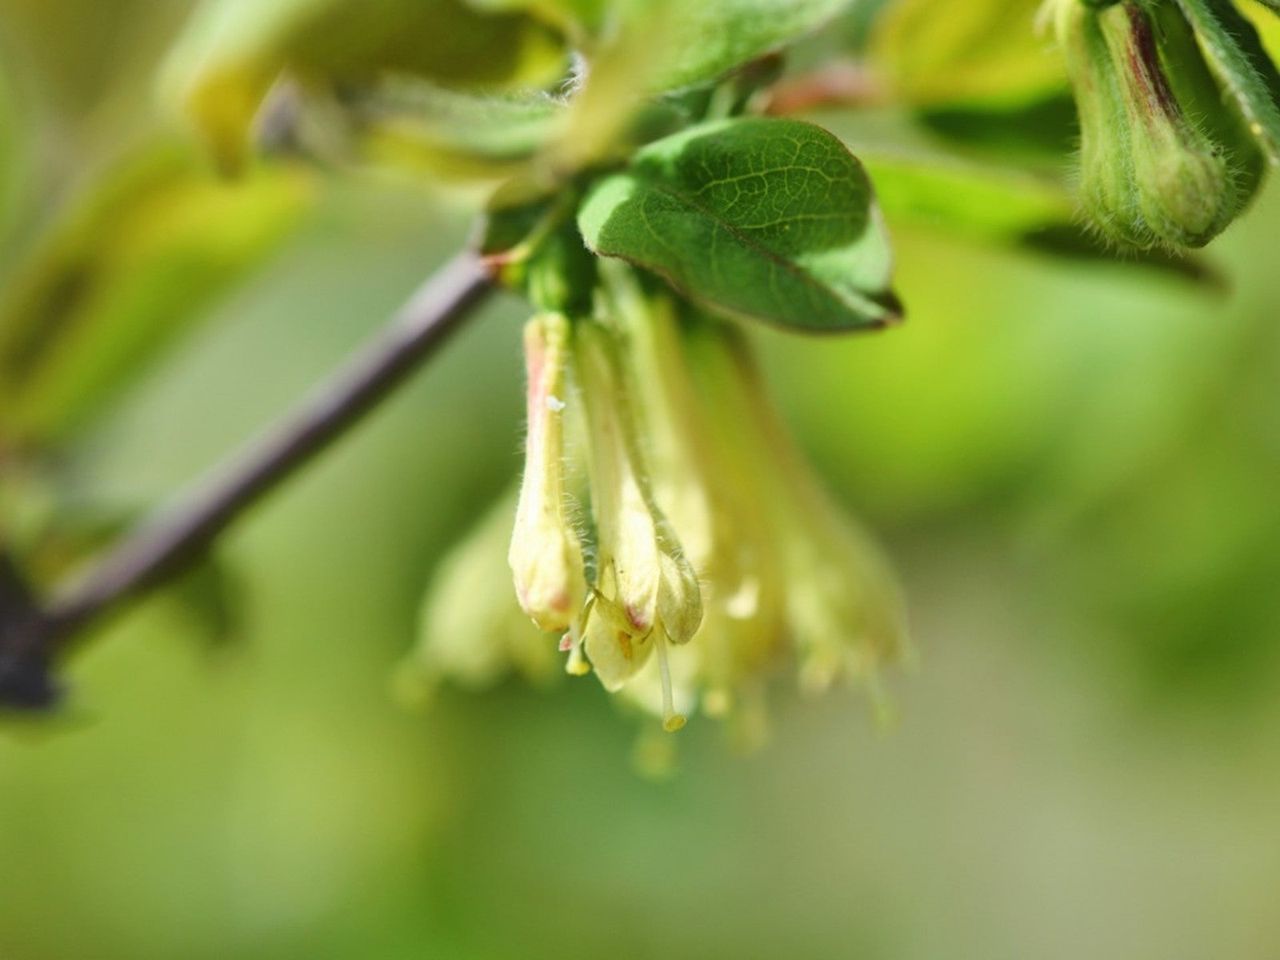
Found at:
<point>666,526</point>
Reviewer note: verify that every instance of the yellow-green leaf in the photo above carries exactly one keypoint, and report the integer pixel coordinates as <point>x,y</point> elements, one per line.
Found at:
<point>234,50</point>
<point>421,125</point>
<point>986,51</point>
<point>124,268</point>
<point>1000,205</point>
<point>1237,57</point>
<point>657,46</point>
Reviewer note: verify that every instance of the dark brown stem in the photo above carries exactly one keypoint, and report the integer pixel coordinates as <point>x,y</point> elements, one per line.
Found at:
<point>25,681</point>
<point>168,543</point>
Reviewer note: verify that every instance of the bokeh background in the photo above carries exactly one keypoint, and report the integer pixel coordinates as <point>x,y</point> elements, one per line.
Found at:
<point>1075,467</point>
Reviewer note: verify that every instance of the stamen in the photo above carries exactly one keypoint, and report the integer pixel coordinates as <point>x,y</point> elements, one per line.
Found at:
<point>577,665</point>
<point>671,721</point>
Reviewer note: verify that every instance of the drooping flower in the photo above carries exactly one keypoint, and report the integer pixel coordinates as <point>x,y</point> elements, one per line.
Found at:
<point>706,553</point>
<point>545,553</point>
<point>843,612</point>
<point>646,592</point>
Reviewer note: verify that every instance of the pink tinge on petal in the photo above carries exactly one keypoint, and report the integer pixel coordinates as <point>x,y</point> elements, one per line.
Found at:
<point>535,357</point>
<point>638,618</point>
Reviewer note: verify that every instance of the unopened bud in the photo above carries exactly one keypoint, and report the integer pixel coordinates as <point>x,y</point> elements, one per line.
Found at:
<point>1163,160</point>
<point>545,554</point>
<point>679,595</point>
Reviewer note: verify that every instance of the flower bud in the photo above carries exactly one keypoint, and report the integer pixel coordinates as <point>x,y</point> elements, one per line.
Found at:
<point>1163,160</point>
<point>545,553</point>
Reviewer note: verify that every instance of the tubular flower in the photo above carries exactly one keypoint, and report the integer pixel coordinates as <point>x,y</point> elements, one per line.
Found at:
<point>712,502</point>
<point>842,611</point>
<point>545,554</point>
<point>646,591</point>
<point>709,551</point>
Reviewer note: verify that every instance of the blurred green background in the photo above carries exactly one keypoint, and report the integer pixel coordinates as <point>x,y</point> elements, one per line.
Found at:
<point>1075,467</point>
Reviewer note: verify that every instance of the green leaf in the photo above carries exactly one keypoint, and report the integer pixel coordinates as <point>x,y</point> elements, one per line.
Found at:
<point>419,124</point>
<point>657,46</point>
<point>1265,17</point>
<point>978,51</point>
<point>120,272</point>
<point>1001,205</point>
<point>1236,55</point>
<point>990,203</point>
<point>1042,133</point>
<point>701,41</point>
<point>768,219</point>
<point>578,18</point>
<point>685,43</point>
<point>234,50</point>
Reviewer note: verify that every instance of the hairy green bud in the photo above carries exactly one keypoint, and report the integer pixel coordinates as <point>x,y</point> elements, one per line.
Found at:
<point>1164,162</point>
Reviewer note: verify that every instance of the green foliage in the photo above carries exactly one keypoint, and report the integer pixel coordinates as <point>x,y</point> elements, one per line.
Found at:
<point>769,219</point>
<point>698,42</point>
<point>234,50</point>
<point>981,200</point>
<point>1001,206</point>
<point>979,51</point>
<point>1073,464</point>
<point>423,125</point>
<point>634,126</point>
<point>120,273</point>
<point>1234,51</point>
<point>664,45</point>
<point>580,19</point>
<point>1162,162</point>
